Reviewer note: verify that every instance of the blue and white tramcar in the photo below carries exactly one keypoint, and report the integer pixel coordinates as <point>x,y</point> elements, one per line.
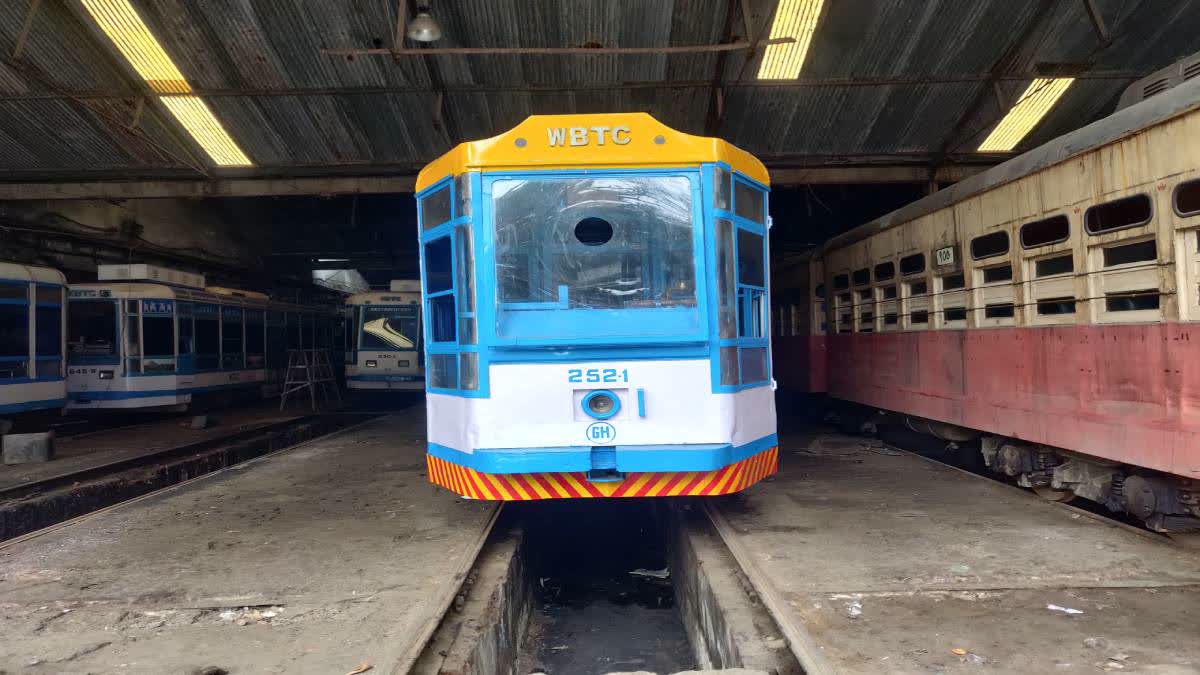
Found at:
<point>385,329</point>
<point>145,337</point>
<point>31,341</point>
<point>595,292</point>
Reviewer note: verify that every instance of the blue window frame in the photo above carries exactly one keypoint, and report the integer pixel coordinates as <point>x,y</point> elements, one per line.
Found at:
<point>448,275</point>
<point>739,259</point>
<point>14,331</point>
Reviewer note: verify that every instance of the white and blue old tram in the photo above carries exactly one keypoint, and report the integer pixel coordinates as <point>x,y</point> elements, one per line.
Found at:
<point>385,339</point>
<point>147,337</point>
<point>595,292</point>
<point>31,340</point>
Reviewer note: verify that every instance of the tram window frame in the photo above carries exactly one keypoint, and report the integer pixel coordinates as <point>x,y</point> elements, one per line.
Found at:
<point>986,240</point>
<point>742,258</point>
<point>14,330</point>
<point>233,345</point>
<point>1189,186</point>
<point>185,338</point>
<point>89,313</point>
<point>884,271</point>
<point>1039,227</point>
<point>449,310</point>
<point>131,336</point>
<point>48,310</point>
<point>158,337</point>
<point>1097,211</point>
<point>207,323</point>
<point>912,264</point>
<point>255,343</point>
<point>435,207</point>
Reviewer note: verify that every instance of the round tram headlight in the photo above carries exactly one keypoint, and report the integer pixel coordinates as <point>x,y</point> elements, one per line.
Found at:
<point>601,404</point>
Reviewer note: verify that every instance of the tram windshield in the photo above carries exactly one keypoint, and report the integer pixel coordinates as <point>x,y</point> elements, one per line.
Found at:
<point>606,243</point>
<point>91,331</point>
<point>389,328</point>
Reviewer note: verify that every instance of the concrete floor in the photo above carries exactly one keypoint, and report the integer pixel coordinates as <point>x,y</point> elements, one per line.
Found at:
<point>338,548</point>
<point>894,563</point>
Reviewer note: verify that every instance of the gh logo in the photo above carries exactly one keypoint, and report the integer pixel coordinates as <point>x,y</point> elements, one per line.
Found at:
<point>601,433</point>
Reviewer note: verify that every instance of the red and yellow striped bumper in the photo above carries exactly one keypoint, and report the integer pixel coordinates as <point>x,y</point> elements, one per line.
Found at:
<point>526,486</point>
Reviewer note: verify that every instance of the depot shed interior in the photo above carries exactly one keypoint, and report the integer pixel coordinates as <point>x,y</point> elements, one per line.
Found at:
<point>258,142</point>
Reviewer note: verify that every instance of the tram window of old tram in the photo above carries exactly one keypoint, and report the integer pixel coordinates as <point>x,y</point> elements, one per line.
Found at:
<point>1187,198</point>
<point>862,277</point>
<point>14,330</point>
<point>885,271</point>
<point>1132,301</point>
<point>953,282</point>
<point>1118,214</point>
<point>208,337</point>
<point>919,317</point>
<point>1126,254</point>
<point>231,339</point>
<point>841,282</point>
<point>1046,267</point>
<point>918,288</point>
<point>989,245</point>
<point>158,343</point>
<point>992,275</point>
<point>889,292</point>
<point>1004,310</point>
<point>912,264</point>
<point>1051,306</point>
<point>1047,231</point>
<point>955,314</point>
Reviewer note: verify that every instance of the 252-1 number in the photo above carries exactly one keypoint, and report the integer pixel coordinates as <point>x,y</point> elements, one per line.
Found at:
<point>597,375</point>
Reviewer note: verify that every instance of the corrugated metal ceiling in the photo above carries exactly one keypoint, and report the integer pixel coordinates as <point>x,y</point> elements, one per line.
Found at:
<point>67,103</point>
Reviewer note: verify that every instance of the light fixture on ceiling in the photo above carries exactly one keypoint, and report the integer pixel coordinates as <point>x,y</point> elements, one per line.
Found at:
<point>1029,109</point>
<point>122,24</point>
<point>423,27</point>
<point>796,19</point>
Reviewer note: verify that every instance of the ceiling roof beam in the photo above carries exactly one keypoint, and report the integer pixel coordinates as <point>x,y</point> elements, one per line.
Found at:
<point>348,185</point>
<point>716,97</point>
<point>1097,19</point>
<point>26,26</point>
<point>553,51</point>
<point>802,83</point>
<point>1001,68</point>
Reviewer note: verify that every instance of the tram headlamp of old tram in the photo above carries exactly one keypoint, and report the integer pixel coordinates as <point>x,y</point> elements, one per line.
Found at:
<point>106,374</point>
<point>601,404</point>
<point>371,363</point>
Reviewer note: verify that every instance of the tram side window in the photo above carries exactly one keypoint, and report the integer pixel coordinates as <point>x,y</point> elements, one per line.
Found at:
<point>1187,198</point>
<point>254,339</point>
<point>158,343</point>
<point>1118,214</point>
<point>14,330</point>
<point>439,288</point>
<point>185,340</point>
<point>435,208</point>
<point>91,332</point>
<point>48,341</point>
<point>277,341</point>
<point>989,245</point>
<point>231,338</point>
<point>748,201</point>
<point>133,337</point>
<point>208,338</point>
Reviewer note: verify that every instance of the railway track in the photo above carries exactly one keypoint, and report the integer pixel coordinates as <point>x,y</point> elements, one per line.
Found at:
<point>29,506</point>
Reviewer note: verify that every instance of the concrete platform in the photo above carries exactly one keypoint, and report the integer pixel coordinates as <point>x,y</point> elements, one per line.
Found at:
<point>95,448</point>
<point>893,563</point>
<point>314,559</point>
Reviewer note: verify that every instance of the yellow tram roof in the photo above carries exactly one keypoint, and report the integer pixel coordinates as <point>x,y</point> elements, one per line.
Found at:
<point>628,141</point>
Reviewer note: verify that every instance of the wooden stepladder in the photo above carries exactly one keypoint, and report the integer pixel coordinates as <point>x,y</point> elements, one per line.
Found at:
<point>310,369</point>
